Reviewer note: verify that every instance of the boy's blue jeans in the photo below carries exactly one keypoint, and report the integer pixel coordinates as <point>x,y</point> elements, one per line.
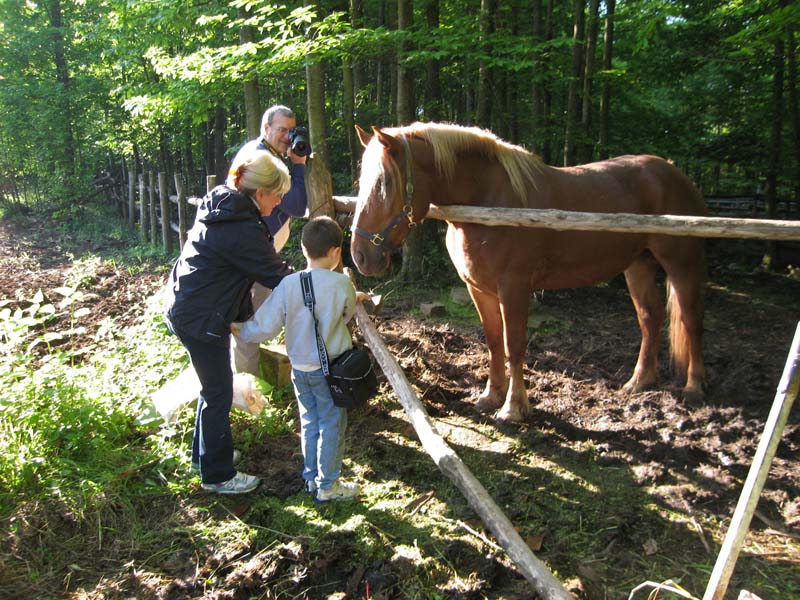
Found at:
<point>322,426</point>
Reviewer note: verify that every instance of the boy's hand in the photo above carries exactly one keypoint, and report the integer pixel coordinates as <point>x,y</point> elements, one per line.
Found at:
<point>236,328</point>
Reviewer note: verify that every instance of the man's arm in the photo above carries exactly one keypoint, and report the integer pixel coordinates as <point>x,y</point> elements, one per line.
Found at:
<point>294,202</point>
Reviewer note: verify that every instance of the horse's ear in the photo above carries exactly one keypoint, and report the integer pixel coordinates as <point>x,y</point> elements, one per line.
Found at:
<point>363,136</point>
<point>384,138</point>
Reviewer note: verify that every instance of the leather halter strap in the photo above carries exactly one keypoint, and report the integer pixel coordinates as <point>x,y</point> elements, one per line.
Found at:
<point>379,239</point>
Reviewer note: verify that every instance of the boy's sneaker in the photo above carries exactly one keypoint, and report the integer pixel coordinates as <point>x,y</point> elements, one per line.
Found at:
<point>338,491</point>
<point>310,486</point>
<point>241,483</point>
<point>237,456</point>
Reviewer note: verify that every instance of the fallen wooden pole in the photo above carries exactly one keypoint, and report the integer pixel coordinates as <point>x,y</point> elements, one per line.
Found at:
<point>566,220</point>
<point>534,570</point>
<point>751,491</point>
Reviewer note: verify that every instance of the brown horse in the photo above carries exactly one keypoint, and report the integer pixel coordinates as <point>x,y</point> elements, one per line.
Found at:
<point>406,169</point>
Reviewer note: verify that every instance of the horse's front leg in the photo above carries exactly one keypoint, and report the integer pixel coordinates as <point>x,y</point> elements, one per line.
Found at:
<point>514,303</point>
<point>488,308</point>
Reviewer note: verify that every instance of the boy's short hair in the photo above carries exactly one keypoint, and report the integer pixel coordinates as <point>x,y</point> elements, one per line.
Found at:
<point>320,235</point>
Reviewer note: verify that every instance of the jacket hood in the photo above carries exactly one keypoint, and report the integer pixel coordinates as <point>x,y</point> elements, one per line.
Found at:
<point>225,204</point>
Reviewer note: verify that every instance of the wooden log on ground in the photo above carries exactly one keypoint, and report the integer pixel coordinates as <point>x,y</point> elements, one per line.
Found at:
<point>534,570</point>
<point>564,220</point>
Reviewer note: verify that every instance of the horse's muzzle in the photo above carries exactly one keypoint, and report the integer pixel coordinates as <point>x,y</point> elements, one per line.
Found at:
<point>370,260</point>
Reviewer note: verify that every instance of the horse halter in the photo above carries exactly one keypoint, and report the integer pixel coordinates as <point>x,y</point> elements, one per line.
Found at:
<point>379,239</point>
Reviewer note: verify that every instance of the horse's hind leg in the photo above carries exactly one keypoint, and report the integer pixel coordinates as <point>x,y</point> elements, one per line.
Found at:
<point>641,279</point>
<point>686,307</point>
<point>684,261</point>
<point>488,307</point>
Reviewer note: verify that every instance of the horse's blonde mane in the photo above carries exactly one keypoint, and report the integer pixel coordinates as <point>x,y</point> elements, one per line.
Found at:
<point>448,141</point>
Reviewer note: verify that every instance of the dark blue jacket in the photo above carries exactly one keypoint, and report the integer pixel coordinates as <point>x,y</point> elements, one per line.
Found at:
<point>226,250</point>
<point>294,202</point>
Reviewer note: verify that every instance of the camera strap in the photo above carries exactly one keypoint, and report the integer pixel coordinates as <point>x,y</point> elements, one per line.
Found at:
<point>307,286</point>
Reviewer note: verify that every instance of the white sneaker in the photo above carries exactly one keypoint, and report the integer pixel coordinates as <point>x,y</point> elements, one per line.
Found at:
<point>237,456</point>
<point>310,486</point>
<point>338,491</point>
<point>241,483</point>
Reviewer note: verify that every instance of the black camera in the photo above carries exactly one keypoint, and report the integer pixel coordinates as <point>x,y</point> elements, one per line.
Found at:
<point>299,142</point>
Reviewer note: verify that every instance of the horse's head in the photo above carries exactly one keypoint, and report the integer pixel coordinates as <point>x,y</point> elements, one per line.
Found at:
<point>387,206</point>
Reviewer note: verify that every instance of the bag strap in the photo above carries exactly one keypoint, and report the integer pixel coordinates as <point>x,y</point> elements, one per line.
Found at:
<point>307,286</point>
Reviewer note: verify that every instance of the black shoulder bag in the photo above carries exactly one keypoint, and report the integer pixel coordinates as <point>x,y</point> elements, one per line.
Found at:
<point>351,377</point>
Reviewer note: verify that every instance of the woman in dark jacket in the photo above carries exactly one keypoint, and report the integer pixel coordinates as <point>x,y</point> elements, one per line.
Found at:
<point>228,248</point>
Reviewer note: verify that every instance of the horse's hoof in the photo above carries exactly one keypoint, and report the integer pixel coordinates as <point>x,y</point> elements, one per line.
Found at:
<point>487,404</point>
<point>693,396</point>
<point>511,415</point>
<point>636,387</point>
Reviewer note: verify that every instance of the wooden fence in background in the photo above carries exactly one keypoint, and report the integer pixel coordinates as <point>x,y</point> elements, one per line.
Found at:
<point>160,215</point>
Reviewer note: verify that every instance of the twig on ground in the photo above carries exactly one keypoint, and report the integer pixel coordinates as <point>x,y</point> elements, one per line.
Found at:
<point>480,536</point>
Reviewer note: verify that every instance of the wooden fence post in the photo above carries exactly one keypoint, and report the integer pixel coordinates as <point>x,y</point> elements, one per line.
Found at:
<point>151,191</point>
<point>163,193</point>
<point>142,208</point>
<point>183,209</point>
<point>131,198</point>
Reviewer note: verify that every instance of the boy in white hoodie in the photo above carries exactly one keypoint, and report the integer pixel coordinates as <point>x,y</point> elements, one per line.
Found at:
<point>322,424</point>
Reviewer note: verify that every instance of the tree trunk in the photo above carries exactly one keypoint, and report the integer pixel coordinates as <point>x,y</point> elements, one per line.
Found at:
<point>574,81</point>
<point>357,22</point>
<point>65,81</point>
<point>588,81</point>
<point>547,100</point>
<point>433,87</point>
<point>380,63</point>
<point>538,79</point>
<point>220,162</point>
<point>775,139</point>
<point>413,249</point>
<point>348,118</point>
<point>319,186</point>
<point>605,97</point>
<point>405,84</point>
<point>252,106</point>
<point>793,110</point>
<point>485,73</point>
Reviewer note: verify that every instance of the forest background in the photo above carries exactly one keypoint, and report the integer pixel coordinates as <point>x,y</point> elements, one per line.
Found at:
<point>108,85</point>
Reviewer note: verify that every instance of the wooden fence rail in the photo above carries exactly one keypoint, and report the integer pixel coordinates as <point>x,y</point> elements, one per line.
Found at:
<point>562,220</point>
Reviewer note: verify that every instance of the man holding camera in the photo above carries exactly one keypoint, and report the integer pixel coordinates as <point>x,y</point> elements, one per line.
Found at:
<point>280,136</point>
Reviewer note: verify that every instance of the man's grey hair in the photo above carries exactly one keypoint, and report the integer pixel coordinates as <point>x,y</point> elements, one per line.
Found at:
<point>277,109</point>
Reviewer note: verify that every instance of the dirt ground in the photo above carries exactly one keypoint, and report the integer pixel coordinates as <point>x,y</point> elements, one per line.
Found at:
<point>581,351</point>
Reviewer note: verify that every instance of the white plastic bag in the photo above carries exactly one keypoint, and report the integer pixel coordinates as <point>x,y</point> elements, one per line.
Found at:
<point>176,393</point>
<point>171,397</point>
<point>246,395</point>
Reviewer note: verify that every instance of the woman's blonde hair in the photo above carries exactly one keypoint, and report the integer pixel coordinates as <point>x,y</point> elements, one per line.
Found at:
<point>258,169</point>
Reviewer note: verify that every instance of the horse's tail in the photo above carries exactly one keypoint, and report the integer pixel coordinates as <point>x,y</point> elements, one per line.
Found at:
<point>678,335</point>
